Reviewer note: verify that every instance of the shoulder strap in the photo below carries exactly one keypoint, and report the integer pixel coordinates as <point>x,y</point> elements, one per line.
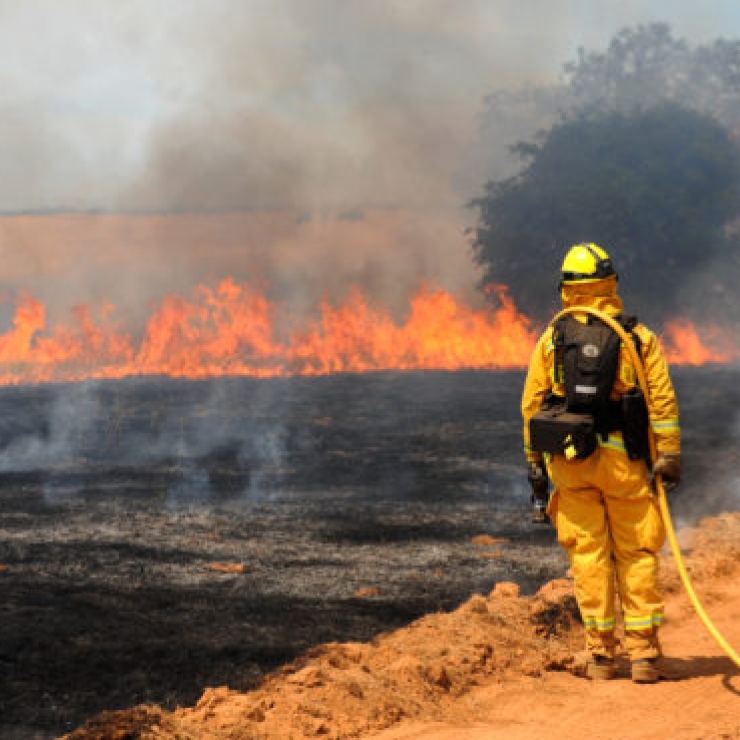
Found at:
<point>558,340</point>
<point>629,323</point>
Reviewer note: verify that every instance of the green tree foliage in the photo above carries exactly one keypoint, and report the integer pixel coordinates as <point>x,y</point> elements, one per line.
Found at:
<point>656,187</point>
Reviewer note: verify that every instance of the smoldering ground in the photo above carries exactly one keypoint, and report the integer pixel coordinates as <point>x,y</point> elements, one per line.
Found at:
<point>344,506</point>
<point>320,489</point>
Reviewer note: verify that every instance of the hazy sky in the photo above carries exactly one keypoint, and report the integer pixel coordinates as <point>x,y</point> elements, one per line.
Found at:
<point>224,104</point>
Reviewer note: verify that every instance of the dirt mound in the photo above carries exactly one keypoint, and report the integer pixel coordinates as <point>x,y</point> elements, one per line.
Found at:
<point>443,675</point>
<point>347,690</point>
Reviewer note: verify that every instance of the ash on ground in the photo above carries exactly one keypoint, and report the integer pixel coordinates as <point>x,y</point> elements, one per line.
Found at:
<point>159,537</point>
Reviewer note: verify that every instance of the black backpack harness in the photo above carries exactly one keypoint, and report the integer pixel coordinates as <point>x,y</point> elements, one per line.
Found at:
<point>586,364</point>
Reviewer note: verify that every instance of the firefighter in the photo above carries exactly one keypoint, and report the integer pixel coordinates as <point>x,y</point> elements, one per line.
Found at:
<point>602,505</point>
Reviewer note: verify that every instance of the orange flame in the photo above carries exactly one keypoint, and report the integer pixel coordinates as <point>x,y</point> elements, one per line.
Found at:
<point>440,333</point>
<point>233,329</point>
<point>683,345</point>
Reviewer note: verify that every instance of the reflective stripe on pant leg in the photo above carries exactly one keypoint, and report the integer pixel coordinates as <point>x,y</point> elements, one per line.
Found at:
<point>653,621</point>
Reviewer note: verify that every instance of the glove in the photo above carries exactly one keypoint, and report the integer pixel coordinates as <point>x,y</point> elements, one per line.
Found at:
<point>537,477</point>
<point>668,467</point>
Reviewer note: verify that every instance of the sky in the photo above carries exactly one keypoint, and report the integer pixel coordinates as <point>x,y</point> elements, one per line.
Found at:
<point>348,116</point>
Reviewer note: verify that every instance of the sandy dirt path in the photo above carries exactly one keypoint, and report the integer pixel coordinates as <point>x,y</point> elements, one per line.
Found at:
<point>703,700</point>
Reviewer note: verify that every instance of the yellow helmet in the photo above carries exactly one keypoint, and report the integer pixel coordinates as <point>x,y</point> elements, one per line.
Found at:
<point>586,263</point>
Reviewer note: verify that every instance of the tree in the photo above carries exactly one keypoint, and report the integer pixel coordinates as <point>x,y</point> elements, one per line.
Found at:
<point>647,65</point>
<point>641,67</point>
<point>656,187</point>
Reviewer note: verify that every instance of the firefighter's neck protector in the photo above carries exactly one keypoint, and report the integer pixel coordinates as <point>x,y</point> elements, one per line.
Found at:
<point>598,294</point>
<point>586,263</point>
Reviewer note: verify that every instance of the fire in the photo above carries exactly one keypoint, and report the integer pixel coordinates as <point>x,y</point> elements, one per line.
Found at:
<point>233,329</point>
<point>683,344</point>
<point>440,333</point>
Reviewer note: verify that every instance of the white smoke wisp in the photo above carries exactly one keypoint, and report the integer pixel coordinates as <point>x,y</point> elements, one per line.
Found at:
<point>251,444</point>
<point>68,426</point>
<point>202,442</point>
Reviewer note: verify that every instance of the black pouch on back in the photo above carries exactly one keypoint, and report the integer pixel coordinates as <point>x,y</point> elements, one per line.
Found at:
<point>635,425</point>
<point>559,432</point>
<point>589,354</point>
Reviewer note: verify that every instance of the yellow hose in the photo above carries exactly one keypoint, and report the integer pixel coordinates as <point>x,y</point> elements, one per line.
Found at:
<point>662,499</point>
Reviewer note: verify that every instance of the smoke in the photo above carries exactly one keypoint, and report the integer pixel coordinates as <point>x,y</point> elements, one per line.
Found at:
<point>307,104</point>
<point>227,105</point>
<point>217,450</point>
<point>53,436</point>
<point>130,262</point>
<point>312,104</point>
<point>190,442</point>
<point>317,105</point>
<point>299,114</point>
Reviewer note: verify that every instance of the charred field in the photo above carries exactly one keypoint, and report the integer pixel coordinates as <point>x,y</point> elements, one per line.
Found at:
<point>159,536</point>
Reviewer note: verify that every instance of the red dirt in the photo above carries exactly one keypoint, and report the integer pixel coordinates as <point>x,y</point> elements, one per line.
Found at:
<point>499,666</point>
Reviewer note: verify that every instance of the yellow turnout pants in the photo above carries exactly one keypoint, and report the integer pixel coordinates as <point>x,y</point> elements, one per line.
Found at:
<point>609,522</point>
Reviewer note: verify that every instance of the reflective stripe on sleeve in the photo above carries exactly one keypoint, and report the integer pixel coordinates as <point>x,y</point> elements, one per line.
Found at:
<point>665,425</point>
